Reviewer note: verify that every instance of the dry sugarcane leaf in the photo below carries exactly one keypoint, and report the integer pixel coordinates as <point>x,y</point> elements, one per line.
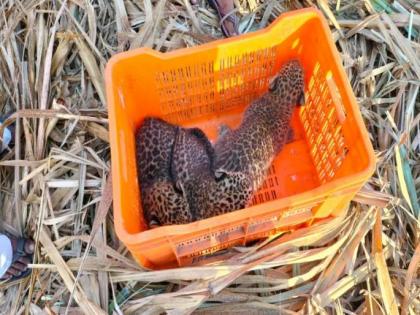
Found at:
<point>98,131</point>
<point>60,54</point>
<point>382,273</point>
<point>46,82</point>
<point>325,7</point>
<point>92,68</point>
<point>333,272</point>
<point>87,306</point>
<point>412,273</point>
<point>380,56</point>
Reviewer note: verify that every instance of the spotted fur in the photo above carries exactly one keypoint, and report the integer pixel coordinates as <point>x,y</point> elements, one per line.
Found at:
<point>193,172</point>
<point>192,156</point>
<point>155,139</point>
<point>162,203</point>
<point>178,185</point>
<point>233,191</point>
<point>165,205</point>
<point>251,148</point>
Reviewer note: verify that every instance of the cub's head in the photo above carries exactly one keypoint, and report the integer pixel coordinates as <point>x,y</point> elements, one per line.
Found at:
<point>289,83</point>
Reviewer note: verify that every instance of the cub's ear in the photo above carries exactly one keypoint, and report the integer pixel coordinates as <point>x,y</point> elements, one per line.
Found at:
<point>154,223</point>
<point>272,83</point>
<point>301,100</point>
<point>220,173</point>
<point>179,186</point>
<point>223,130</point>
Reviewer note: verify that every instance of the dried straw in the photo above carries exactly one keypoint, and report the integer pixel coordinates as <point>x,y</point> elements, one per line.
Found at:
<point>55,181</point>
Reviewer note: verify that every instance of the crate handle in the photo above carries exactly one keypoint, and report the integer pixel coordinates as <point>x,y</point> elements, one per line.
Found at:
<point>336,98</point>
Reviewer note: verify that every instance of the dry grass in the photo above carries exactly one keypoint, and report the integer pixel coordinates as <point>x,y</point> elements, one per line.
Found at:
<point>54,181</point>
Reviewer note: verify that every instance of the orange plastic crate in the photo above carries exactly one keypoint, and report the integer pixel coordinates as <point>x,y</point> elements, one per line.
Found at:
<point>314,177</point>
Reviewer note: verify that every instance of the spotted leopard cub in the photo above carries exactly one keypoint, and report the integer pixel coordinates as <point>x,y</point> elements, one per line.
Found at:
<point>192,171</point>
<point>233,192</point>
<point>162,203</point>
<point>251,148</point>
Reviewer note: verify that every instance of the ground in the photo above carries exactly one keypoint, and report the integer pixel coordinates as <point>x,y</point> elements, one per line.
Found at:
<point>54,180</point>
